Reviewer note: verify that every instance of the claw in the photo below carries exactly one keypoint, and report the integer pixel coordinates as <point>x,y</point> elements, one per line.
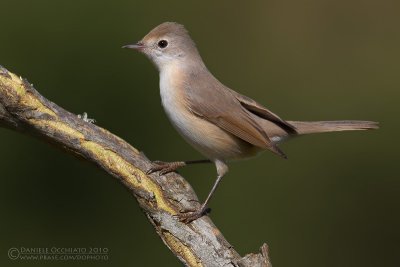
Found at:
<point>165,167</point>
<point>151,170</point>
<point>190,216</point>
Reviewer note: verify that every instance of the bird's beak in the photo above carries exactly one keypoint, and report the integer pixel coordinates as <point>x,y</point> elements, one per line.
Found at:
<point>138,46</point>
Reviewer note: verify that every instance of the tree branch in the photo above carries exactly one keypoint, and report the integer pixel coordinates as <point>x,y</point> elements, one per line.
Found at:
<point>23,109</point>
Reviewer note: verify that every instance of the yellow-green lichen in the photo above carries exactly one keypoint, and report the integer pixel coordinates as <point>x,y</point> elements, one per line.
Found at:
<point>26,99</point>
<point>113,161</point>
<point>182,250</point>
<point>131,174</point>
<point>59,126</point>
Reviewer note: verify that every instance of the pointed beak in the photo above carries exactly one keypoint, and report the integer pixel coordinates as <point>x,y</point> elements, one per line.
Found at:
<point>138,46</point>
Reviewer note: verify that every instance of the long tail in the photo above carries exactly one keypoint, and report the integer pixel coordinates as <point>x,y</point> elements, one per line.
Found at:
<point>308,127</point>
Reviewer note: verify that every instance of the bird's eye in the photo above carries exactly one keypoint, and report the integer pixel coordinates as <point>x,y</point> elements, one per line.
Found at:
<point>162,44</point>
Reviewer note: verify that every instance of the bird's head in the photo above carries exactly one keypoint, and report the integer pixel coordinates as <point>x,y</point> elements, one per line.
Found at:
<point>168,43</point>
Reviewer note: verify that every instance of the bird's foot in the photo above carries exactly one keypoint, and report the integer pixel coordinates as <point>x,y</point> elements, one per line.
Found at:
<point>165,167</point>
<point>189,216</point>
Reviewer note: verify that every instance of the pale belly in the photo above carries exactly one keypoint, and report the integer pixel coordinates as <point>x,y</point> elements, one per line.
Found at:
<point>210,140</point>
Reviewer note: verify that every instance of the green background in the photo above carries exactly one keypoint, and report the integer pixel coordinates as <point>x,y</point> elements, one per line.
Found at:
<point>335,202</point>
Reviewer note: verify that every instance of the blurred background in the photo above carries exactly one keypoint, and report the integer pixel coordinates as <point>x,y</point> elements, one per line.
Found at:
<point>335,202</point>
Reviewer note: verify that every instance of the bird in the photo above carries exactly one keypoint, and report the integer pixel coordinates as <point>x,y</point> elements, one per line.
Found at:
<point>220,123</point>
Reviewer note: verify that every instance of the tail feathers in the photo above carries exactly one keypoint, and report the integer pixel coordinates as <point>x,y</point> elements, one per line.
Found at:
<point>308,127</point>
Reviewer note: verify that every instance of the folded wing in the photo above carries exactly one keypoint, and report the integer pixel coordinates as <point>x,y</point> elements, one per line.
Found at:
<point>215,104</point>
<point>263,112</point>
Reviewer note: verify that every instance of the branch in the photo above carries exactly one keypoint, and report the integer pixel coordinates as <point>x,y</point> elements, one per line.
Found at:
<point>200,243</point>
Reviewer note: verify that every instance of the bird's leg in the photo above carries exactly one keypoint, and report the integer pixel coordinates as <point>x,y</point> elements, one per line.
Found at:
<point>190,216</point>
<point>166,167</point>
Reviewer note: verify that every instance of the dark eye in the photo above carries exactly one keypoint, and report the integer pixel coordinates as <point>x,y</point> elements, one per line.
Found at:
<point>162,44</point>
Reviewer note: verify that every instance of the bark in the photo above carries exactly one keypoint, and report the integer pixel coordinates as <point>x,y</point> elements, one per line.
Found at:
<point>199,243</point>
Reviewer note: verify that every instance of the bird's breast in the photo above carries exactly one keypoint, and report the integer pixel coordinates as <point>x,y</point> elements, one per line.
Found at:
<point>173,97</point>
<point>174,102</point>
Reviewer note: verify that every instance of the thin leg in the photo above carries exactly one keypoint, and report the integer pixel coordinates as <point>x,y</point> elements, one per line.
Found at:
<point>166,167</point>
<point>188,217</point>
<point>204,205</point>
<point>197,161</point>
<point>193,215</point>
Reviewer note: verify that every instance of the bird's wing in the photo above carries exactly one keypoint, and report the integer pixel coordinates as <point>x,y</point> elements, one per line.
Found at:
<point>215,104</point>
<point>263,112</point>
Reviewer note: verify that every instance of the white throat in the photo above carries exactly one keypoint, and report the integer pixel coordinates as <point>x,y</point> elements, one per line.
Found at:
<point>170,80</point>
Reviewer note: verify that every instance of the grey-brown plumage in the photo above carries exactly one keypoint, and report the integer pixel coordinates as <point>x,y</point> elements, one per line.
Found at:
<point>217,121</point>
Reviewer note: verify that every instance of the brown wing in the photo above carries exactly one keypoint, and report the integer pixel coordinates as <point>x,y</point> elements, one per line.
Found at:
<point>263,112</point>
<point>213,102</point>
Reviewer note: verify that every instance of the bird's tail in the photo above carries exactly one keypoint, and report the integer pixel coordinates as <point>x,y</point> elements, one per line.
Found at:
<point>308,127</point>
